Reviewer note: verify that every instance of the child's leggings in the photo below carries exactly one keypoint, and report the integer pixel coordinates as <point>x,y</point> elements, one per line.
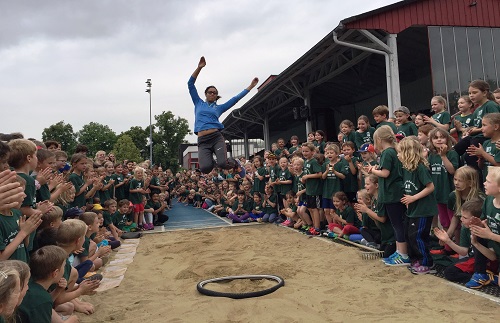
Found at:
<point>418,239</point>
<point>397,213</point>
<point>83,268</point>
<point>370,235</point>
<point>238,218</point>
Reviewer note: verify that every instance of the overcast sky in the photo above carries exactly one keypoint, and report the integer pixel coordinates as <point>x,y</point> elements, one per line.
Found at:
<point>83,61</point>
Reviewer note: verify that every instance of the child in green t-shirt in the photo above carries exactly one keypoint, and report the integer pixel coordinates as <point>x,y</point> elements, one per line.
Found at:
<point>441,117</point>
<point>289,210</point>
<point>464,120</point>
<point>348,132</point>
<point>381,117</point>
<point>270,205</point>
<point>368,158</point>
<point>364,134</point>
<point>350,169</point>
<point>314,187</point>
<point>47,268</point>
<point>406,127</point>
<point>421,206</point>
<point>138,187</point>
<point>332,176</point>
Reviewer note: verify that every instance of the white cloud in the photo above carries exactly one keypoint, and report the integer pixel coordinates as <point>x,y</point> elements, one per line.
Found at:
<point>88,61</point>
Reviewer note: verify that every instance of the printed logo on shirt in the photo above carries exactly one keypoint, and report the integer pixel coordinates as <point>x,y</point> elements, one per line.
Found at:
<point>410,187</point>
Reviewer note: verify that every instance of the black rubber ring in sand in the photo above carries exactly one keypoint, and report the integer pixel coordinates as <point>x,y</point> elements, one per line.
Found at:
<point>280,282</point>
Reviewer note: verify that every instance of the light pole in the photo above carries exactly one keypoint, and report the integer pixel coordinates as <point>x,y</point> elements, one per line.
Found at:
<point>148,90</point>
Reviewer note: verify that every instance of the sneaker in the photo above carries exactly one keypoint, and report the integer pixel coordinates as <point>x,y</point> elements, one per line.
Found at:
<point>390,257</point>
<point>478,280</point>
<point>314,232</point>
<point>305,228</point>
<point>364,242</point>
<point>493,278</point>
<point>422,270</point>
<point>286,223</point>
<point>332,235</point>
<point>398,260</point>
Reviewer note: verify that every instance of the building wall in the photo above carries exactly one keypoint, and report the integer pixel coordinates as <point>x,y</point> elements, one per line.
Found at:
<point>460,55</point>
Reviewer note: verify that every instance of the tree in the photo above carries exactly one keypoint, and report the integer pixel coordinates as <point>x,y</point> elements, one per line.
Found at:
<point>97,137</point>
<point>62,133</point>
<point>125,148</point>
<point>171,132</point>
<point>140,138</point>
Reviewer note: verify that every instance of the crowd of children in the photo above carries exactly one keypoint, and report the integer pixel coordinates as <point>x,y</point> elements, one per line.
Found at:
<point>390,187</point>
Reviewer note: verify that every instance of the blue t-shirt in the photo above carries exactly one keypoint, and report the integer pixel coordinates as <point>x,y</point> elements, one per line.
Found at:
<point>207,114</point>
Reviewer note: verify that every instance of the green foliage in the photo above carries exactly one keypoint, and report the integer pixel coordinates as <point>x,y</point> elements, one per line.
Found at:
<point>171,131</point>
<point>140,138</point>
<point>125,148</point>
<point>63,133</point>
<point>97,137</point>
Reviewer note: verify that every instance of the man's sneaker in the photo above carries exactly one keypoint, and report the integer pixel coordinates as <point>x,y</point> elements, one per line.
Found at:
<point>422,270</point>
<point>398,260</point>
<point>478,280</point>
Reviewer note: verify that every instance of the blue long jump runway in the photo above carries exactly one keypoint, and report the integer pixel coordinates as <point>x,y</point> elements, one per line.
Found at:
<point>183,217</point>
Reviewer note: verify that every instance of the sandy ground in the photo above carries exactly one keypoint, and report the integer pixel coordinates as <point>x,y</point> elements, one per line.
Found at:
<point>324,282</point>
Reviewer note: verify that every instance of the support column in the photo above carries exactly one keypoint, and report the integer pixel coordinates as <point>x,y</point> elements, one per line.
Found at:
<point>394,72</point>
<point>267,144</point>
<point>307,102</point>
<point>245,144</point>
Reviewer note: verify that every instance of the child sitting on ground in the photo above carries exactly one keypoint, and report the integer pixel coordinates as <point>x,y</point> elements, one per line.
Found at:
<point>345,221</point>
<point>123,219</point>
<point>270,205</point>
<point>239,211</point>
<point>90,250</point>
<point>257,209</point>
<point>47,268</point>
<point>289,210</point>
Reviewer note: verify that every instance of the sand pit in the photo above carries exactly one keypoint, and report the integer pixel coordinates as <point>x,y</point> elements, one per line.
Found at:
<point>324,282</point>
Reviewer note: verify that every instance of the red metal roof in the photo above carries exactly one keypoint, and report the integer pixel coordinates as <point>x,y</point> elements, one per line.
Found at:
<point>401,15</point>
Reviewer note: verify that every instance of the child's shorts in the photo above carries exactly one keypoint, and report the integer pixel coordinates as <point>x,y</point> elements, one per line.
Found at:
<point>327,203</point>
<point>138,208</point>
<point>302,203</point>
<point>314,201</point>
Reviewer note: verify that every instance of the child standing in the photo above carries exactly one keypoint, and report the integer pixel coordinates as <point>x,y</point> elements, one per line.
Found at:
<point>319,138</point>
<point>390,188</point>
<point>294,140</point>
<point>312,179</point>
<point>259,180</point>
<point>420,201</point>
<point>299,188</point>
<point>441,117</point>
<point>406,127</point>
<point>488,153</point>
<point>136,192</point>
<point>332,176</point>
<point>365,132</point>
<point>464,120</point>
<point>284,180</point>
<point>368,157</point>
<point>443,162</point>
<point>381,116</point>
<point>348,133</point>
<point>78,167</point>
<point>479,93</point>
<point>349,164</point>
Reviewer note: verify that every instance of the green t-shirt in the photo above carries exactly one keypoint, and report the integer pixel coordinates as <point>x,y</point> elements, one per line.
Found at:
<point>313,185</point>
<point>479,113</point>
<point>9,228</point>
<point>136,198</point>
<point>491,149</point>
<point>492,214</point>
<point>292,149</point>
<point>364,137</point>
<point>351,136</point>
<point>442,117</point>
<point>415,182</point>
<point>85,247</point>
<point>350,182</point>
<point>268,209</point>
<point>155,181</point>
<point>332,184</point>
<point>36,305</point>
<point>408,129</point>
<point>255,206</point>
<point>390,124</point>
<point>245,206</point>
<point>390,188</point>
<point>368,222</point>
<point>298,185</point>
<point>107,217</point>
<point>350,216</point>
<point>119,191</point>
<point>321,146</point>
<point>43,194</point>
<point>273,172</point>
<point>465,121</point>
<point>107,194</point>
<point>284,175</point>
<point>78,182</point>
<point>119,220</point>
<point>465,240</point>
<point>443,181</point>
<point>259,185</point>
<point>29,190</point>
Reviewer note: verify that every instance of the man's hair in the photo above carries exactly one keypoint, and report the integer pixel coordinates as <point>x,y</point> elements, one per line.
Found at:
<point>44,261</point>
<point>70,230</point>
<point>20,149</point>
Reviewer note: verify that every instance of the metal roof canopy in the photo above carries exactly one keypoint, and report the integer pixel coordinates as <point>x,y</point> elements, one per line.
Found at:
<point>330,72</point>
